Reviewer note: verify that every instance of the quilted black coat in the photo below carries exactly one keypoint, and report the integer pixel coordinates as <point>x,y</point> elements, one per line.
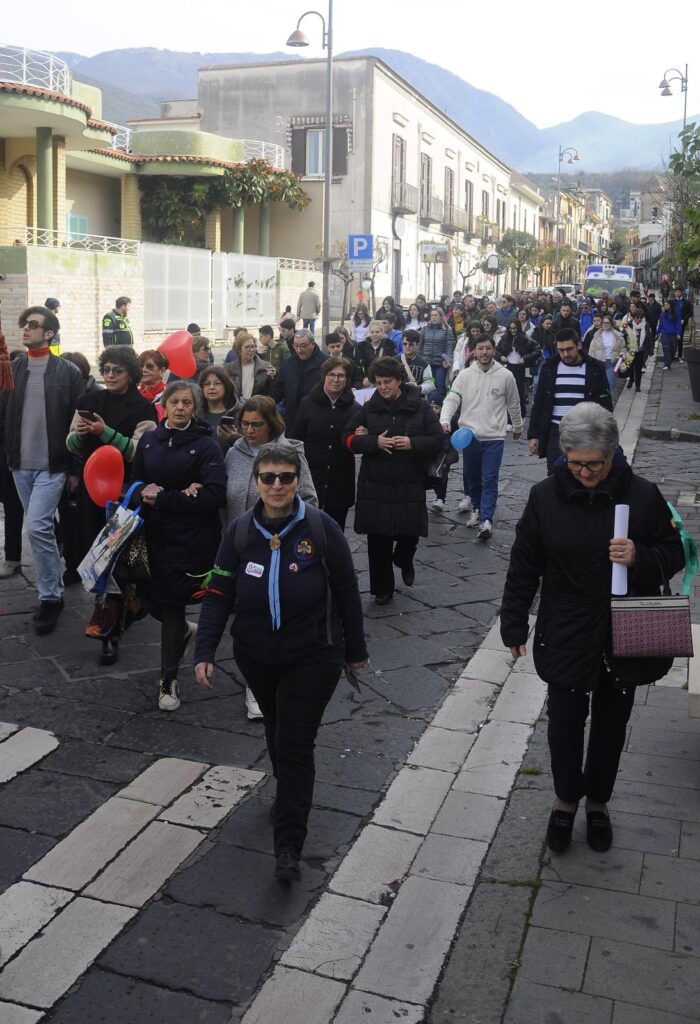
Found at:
<point>320,426</point>
<point>563,541</point>
<point>391,487</point>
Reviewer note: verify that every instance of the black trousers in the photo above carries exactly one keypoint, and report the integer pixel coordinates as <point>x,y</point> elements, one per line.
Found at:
<point>14,515</point>
<point>172,633</point>
<point>339,514</point>
<point>383,556</point>
<point>292,699</point>
<point>553,450</point>
<point>636,367</point>
<point>518,371</point>
<point>567,711</point>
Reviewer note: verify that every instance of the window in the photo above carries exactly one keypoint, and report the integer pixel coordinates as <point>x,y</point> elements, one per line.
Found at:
<point>449,187</point>
<point>469,198</point>
<point>485,213</point>
<point>398,160</point>
<point>314,151</point>
<point>524,220</point>
<point>426,176</point>
<point>77,226</point>
<point>308,151</point>
<point>498,211</point>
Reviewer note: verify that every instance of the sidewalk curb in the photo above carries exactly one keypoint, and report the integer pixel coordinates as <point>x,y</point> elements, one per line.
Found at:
<point>669,434</point>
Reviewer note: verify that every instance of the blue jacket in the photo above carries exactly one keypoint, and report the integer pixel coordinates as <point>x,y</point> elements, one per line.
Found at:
<point>669,323</point>
<point>436,340</point>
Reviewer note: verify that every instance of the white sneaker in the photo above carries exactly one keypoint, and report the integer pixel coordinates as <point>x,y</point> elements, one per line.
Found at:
<point>8,569</point>
<point>168,696</point>
<point>474,519</point>
<point>252,706</point>
<point>465,504</point>
<point>485,530</point>
<point>438,505</point>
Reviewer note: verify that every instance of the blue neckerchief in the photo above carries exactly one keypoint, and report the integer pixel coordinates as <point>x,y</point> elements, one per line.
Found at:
<point>273,583</point>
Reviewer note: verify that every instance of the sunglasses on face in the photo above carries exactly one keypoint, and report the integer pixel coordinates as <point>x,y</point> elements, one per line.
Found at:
<point>268,479</point>
<point>113,371</point>
<point>33,325</point>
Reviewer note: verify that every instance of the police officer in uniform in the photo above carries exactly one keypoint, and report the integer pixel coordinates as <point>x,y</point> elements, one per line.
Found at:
<point>116,329</point>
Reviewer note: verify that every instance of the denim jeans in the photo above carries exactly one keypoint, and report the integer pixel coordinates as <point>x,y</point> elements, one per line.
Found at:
<point>440,375</point>
<point>609,373</point>
<point>40,491</point>
<point>309,325</point>
<point>482,461</point>
<point>669,343</point>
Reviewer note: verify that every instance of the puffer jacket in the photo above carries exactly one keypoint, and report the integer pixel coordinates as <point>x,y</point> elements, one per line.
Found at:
<point>563,541</point>
<point>436,340</point>
<point>182,532</point>
<point>319,425</point>
<point>391,488</point>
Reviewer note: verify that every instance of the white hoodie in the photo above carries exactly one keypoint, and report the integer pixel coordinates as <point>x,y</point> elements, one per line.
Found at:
<point>484,399</point>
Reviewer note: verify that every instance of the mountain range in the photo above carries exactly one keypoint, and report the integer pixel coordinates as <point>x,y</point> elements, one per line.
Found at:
<point>135,80</point>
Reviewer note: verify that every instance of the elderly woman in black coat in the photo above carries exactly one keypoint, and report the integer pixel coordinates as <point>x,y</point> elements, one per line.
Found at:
<point>398,435</point>
<point>319,424</point>
<point>565,540</point>
<point>182,467</point>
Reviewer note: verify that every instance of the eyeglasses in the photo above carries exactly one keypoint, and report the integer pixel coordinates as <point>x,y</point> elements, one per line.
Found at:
<point>34,325</point>
<point>592,467</point>
<point>268,479</point>
<point>252,424</point>
<point>113,371</point>
<point>336,376</point>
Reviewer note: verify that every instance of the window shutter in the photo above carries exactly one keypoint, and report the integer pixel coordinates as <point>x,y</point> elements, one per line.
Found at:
<point>340,151</point>
<point>299,151</point>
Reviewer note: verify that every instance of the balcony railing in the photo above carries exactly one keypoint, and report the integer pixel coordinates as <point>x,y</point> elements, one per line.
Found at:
<point>583,247</point>
<point>287,263</point>
<point>431,209</point>
<point>34,67</point>
<point>455,218</point>
<point>122,140</point>
<point>404,197</point>
<point>269,151</point>
<point>77,240</point>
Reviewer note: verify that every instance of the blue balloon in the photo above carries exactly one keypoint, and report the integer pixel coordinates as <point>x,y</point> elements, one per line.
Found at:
<point>462,438</point>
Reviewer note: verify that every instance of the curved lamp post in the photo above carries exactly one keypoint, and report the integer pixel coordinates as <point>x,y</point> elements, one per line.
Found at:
<point>574,157</point>
<point>298,38</point>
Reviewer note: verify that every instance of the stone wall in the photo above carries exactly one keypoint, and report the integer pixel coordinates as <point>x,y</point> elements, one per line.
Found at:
<point>86,284</point>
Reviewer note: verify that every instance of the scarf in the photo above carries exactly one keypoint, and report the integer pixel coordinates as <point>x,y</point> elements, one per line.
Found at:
<point>38,353</point>
<point>273,585</point>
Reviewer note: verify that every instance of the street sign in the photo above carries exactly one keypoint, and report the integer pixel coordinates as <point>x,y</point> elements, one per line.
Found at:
<point>360,250</point>
<point>434,252</point>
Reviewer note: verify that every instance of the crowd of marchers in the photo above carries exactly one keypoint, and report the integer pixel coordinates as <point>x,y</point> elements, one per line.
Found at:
<point>245,473</point>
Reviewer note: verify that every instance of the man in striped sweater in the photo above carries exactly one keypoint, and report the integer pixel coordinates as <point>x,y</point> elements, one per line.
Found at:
<point>565,380</point>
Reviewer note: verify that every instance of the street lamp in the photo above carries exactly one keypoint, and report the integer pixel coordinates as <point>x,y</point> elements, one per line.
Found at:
<point>665,87</point>
<point>298,38</point>
<point>573,158</point>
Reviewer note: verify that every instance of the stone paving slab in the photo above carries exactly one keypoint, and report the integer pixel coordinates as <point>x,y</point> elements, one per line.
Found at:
<point>406,957</point>
<point>49,803</point>
<point>163,781</point>
<point>656,978</point>
<point>360,1006</point>
<point>295,997</point>
<point>22,749</point>
<point>6,729</point>
<point>11,1013</point>
<point>690,841</point>
<point>495,759</point>
<point>447,859</point>
<point>671,878</point>
<point>442,749</point>
<point>469,816</point>
<point>145,864</point>
<point>627,1013</point>
<point>413,799</point>
<point>618,869</point>
<point>335,937</point>
<point>533,1004</point>
<point>554,958</point>
<point>466,707</point>
<point>379,858</point>
<point>51,963</point>
<point>211,799</point>
<point>626,917</point>
<point>24,910</point>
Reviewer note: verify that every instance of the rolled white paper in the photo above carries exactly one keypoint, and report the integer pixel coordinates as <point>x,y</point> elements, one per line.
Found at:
<point>619,572</point>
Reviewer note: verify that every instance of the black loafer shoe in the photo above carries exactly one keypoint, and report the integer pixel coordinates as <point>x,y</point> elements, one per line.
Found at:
<point>408,575</point>
<point>110,652</point>
<point>559,829</point>
<point>383,598</point>
<point>599,833</point>
<point>287,867</point>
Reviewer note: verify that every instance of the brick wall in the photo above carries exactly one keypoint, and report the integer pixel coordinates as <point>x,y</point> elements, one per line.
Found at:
<point>130,207</point>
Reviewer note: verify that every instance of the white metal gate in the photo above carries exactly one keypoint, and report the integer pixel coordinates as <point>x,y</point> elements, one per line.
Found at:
<point>244,290</point>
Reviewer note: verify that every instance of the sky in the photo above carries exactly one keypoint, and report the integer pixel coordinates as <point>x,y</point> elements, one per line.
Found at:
<point>551,61</point>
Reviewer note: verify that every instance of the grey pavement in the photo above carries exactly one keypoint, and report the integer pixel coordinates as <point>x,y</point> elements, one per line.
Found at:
<point>136,855</point>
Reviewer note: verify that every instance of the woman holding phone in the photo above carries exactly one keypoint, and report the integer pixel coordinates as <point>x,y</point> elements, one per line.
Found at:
<point>219,404</point>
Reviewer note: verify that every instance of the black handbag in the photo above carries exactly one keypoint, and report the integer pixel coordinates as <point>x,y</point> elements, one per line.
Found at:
<point>437,470</point>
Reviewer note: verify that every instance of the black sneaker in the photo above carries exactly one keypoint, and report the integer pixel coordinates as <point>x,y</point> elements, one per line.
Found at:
<point>46,616</point>
<point>287,867</point>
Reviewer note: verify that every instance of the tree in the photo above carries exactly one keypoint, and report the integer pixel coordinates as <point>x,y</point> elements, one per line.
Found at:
<point>618,245</point>
<point>340,268</point>
<point>519,251</point>
<point>685,170</point>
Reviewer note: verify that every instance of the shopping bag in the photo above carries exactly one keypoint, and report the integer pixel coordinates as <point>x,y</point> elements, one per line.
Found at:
<point>123,523</point>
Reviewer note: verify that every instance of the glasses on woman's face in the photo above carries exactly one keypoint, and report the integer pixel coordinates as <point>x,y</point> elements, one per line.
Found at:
<point>592,467</point>
<point>113,371</point>
<point>252,424</point>
<point>268,479</point>
<point>336,376</point>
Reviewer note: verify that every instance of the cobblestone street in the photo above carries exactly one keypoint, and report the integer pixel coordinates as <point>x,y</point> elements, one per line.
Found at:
<point>136,876</point>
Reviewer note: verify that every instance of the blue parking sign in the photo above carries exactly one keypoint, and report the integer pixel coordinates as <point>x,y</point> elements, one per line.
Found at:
<point>360,249</point>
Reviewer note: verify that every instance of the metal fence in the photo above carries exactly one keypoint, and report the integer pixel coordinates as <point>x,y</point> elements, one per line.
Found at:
<point>34,67</point>
<point>215,290</point>
<point>78,240</point>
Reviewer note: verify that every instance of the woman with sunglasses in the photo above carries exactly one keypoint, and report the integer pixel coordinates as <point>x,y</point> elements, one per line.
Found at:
<point>182,468</point>
<point>259,423</point>
<point>117,416</point>
<point>297,620</point>
<point>154,366</point>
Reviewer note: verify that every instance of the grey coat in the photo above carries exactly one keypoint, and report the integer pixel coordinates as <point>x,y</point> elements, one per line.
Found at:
<point>241,492</point>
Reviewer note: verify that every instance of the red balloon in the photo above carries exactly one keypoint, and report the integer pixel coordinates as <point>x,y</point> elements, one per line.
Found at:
<point>178,348</point>
<point>104,475</point>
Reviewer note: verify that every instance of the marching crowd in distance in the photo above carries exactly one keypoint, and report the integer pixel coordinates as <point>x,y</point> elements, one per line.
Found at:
<point>256,445</point>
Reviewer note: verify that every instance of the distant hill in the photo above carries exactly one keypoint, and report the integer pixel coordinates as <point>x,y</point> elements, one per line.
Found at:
<point>135,80</point>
